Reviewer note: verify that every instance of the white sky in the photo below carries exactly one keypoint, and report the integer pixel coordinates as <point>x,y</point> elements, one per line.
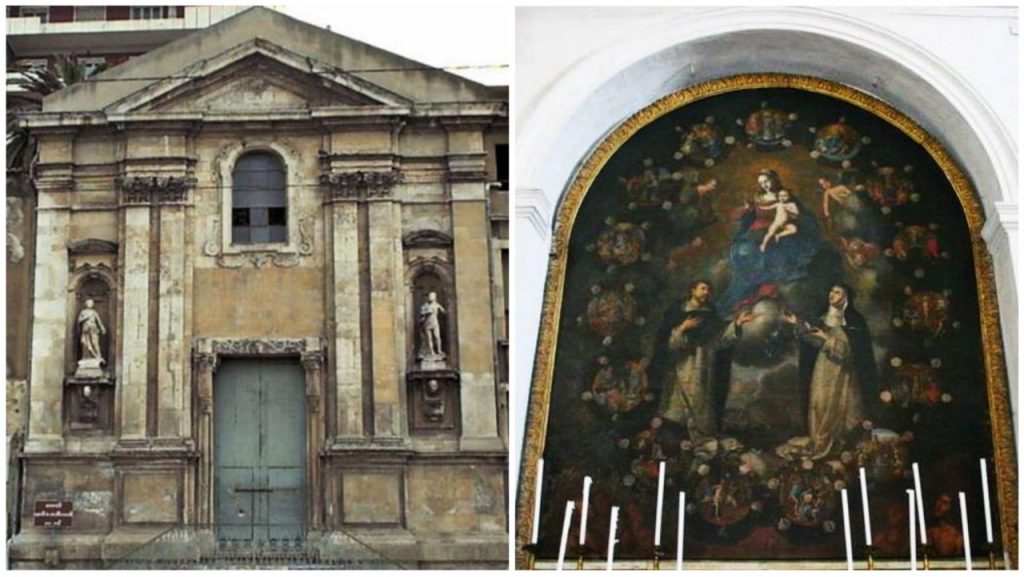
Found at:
<point>437,35</point>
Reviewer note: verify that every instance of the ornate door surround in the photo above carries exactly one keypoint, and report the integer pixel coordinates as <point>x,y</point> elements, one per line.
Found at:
<point>206,356</point>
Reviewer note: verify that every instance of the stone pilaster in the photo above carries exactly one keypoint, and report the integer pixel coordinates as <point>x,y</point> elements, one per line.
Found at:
<point>385,320</point>
<point>344,257</point>
<point>204,365</point>
<point>346,190</point>
<point>134,359</point>
<point>49,329</point>
<point>313,365</point>
<point>173,376</point>
<point>471,234</point>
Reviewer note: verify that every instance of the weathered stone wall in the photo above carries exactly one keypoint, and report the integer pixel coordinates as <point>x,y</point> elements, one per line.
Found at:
<point>374,197</point>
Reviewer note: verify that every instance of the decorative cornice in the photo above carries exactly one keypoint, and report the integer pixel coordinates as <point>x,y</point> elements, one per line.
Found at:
<point>360,185</point>
<point>147,189</point>
<point>258,346</point>
<point>92,246</point>
<point>426,239</point>
<point>533,206</point>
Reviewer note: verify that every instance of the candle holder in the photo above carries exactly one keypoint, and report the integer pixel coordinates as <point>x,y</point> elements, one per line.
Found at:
<point>658,554</point>
<point>925,560</point>
<point>870,551</point>
<point>531,555</point>
<point>991,557</point>
<point>580,551</point>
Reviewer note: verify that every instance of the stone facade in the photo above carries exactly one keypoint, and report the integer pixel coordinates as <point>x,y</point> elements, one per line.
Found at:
<point>390,194</point>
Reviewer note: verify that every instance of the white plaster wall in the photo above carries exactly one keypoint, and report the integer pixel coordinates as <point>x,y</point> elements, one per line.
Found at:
<point>581,71</point>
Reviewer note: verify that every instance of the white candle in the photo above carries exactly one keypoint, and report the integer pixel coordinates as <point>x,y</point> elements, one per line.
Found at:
<point>920,505</point>
<point>913,531</point>
<point>966,530</point>
<point>569,506</point>
<point>661,499</point>
<point>988,504</point>
<point>611,536</point>
<point>536,501</point>
<point>846,531</point>
<point>679,535</point>
<point>587,481</point>
<point>864,505</point>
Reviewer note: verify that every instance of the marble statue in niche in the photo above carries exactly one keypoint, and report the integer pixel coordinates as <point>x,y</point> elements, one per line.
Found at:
<point>90,330</point>
<point>431,349</point>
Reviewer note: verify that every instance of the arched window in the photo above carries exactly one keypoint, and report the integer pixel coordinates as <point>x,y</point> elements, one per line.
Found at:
<point>259,201</point>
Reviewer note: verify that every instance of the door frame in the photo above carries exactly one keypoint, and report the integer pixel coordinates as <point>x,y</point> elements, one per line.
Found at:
<point>206,356</point>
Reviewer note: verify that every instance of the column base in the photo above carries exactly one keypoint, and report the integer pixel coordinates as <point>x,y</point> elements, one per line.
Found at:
<point>482,444</point>
<point>47,444</point>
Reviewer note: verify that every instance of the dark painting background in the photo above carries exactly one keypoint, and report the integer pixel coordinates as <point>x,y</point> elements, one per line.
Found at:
<point>902,243</point>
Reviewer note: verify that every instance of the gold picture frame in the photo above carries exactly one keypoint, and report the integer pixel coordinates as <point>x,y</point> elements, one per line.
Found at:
<point>992,342</point>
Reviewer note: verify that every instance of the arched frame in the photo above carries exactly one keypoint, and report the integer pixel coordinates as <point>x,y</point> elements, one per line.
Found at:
<point>227,160</point>
<point>79,278</point>
<point>991,335</point>
<point>442,270</point>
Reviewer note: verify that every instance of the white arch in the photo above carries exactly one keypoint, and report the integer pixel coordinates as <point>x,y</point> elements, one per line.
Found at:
<point>559,128</point>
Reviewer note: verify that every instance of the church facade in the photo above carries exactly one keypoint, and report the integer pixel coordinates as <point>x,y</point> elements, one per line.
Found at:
<point>266,273</point>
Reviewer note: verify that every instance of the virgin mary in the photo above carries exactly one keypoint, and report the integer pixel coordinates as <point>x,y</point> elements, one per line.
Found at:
<point>783,261</point>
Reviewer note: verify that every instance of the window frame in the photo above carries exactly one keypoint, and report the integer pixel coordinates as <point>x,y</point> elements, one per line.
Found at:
<point>300,228</point>
<point>41,12</point>
<point>282,165</point>
<point>149,12</point>
<point>103,14</point>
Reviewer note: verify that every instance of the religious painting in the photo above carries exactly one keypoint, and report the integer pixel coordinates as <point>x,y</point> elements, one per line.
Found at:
<point>766,284</point>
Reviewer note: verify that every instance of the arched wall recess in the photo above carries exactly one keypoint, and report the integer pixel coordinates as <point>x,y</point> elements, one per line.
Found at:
<point>563,121</point>
<point>603,314</point>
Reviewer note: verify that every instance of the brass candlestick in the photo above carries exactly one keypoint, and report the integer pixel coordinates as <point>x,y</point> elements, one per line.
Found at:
<point>579,557</point>
<point>531,555</point>
<point>658,554</point>
<point>991,557</point>
<point>871,557</point>
<point>924,556</point>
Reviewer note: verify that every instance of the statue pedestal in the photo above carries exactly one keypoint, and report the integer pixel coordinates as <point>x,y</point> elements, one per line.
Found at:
<point>90,369</point>
<point>89,400</point>
<point>433,363</point>
<point>433,393</point>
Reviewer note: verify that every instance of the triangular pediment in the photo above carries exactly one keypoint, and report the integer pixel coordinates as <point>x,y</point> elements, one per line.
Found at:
<point>257,77</point>
<point>376,74</point>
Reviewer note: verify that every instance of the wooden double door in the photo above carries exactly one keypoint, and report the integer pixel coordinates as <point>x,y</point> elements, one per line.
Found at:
<point>259,449</point>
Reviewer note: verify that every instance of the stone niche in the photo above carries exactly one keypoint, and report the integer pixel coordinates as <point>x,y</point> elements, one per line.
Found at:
<point>433,381</point>
<point>89,384</point>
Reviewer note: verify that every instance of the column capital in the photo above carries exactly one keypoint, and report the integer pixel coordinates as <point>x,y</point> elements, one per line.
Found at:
<point>312,361</point>
<point>142,190</point>
<point>360,185</point>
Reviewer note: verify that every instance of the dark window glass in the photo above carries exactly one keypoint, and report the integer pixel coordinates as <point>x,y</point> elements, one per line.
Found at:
<point>259,199</point>
<point>501,163</point>
<point>276,216</point>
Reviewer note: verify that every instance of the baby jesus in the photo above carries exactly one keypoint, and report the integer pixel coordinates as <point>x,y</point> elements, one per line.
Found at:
<point>786,214</point>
